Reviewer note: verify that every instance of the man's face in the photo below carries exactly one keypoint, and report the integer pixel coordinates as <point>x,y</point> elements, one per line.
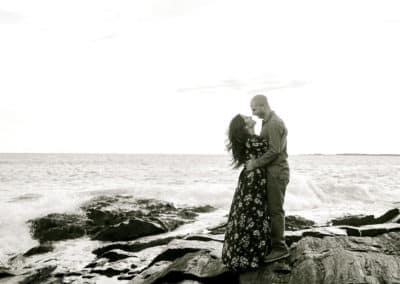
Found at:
<point>257,109</point>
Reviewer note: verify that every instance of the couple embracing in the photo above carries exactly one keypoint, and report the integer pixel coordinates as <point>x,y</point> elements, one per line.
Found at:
<point>256,223</point>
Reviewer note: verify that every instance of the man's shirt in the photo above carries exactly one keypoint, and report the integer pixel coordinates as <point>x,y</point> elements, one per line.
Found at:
<point>275,159</point>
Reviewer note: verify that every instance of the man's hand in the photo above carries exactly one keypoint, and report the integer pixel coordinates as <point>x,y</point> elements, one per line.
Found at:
<point>250,165</point>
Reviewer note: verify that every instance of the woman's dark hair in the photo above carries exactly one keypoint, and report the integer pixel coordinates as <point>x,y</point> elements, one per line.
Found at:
<point>237,137</point>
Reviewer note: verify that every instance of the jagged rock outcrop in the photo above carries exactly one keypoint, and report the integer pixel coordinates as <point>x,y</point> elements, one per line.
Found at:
<point>34,276</point>
<point>43,248</point>
<point>361,220</point>
<point>115,218</point>
<point>319,254</point>
<point>338,259</point>
<point>200,266</point>
<point>5,272</point>
<point>133,246</point>
<point>332,259</point>
<point>292,223</point>
<point>56,227</point>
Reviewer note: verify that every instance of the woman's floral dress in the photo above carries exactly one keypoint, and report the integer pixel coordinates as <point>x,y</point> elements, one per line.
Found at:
<point>248,231</point>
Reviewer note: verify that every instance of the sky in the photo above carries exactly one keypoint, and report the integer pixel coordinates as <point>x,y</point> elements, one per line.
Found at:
<point>167,76</point>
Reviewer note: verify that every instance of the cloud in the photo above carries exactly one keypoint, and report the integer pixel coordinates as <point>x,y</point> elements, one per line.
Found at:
<point>107,37</point>
<point>250,86</point>
<point>172,8</point>
<point>225,84</point>
<point>278,85</point>
<point>7,17</point>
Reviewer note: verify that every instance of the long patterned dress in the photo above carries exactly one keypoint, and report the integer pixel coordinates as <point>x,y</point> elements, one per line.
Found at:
<point>248,231</point>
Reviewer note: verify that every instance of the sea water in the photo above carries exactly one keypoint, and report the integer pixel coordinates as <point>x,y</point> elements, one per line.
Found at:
<point>321,186</point>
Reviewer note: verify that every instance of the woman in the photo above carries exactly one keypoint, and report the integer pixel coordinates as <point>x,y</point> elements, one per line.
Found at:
<point>247,236</point>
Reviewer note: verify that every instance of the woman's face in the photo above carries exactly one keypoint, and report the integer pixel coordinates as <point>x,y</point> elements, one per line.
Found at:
<point>248,120</point>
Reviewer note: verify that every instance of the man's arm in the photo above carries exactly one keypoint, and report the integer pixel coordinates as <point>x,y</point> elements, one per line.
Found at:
<point>276,133</point>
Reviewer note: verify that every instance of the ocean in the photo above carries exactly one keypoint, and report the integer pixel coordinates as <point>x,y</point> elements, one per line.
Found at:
<point>321,186</point>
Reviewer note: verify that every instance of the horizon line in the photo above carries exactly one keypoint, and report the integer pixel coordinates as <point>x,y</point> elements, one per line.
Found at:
<point>194,154</point>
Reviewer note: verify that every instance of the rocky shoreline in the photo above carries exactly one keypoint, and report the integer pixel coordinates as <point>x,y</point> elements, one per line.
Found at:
<point>120,239</point>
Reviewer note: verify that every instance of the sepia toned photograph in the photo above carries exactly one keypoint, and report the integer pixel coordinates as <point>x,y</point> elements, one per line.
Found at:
<point>199,141</point>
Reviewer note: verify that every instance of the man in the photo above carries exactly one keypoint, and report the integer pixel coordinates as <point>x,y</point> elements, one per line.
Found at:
<point>277,167</point>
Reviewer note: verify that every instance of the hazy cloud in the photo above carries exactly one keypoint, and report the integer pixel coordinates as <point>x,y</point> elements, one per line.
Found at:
<point>225,84</point>
<point>107,37</point>
<point>251,86</point>
<point>171,8</point>
<point>7,17</point>
<point>278,85</point>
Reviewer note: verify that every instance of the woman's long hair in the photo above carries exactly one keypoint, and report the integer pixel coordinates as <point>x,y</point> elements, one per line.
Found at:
<point>237,137</point>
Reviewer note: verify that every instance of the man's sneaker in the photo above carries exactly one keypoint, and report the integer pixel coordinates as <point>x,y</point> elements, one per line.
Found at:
<point>276,255</point>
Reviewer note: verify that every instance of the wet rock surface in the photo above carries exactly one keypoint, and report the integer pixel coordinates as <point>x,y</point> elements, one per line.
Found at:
<point>199,266</point>
<point>43,248</point>
<point>115,218</point>
<point>5,272</point>
<point>340,253</point>
<point>292,223</point>
<point>134,246</point>
<point>361,220</point>
<point>336,260</point>
<point>34,276</point>
<point>56,227</point>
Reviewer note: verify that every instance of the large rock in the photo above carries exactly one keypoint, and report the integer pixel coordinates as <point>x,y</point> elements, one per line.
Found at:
<point>129,230</point>
<point>196,257</point>
<point>110,272</point>
<point>55,227</point>
<point>116,254</point>
<point>174,252</point>
<point>361,220</point>
<point>149,274</point>
<point>127,263</point>
<point>218,229</point>
<point>205,237</point>
<point>178,248</point>
<point>371,230</point>
<point>202,209</point>
<point>337,259</point>
<point>198,266</point>
<point>115,218</point>
<point>294,223</point>
<point>133,246</point>
<point>36,276</point>
<point>43,248</point>
<point>6,272</point>
<point>317,232</point>
<point>354,220</point>
<point>122,217</point>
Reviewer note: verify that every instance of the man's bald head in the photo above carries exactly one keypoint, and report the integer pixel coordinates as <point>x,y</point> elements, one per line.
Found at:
<point>260,100</point>
<point>260,106</point>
